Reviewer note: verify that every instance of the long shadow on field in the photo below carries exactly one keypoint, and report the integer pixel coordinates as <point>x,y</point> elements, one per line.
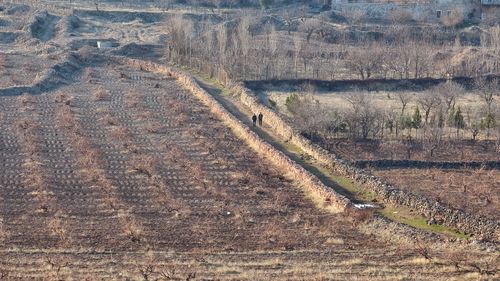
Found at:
<point>286,148</point>
<point>61,74</point>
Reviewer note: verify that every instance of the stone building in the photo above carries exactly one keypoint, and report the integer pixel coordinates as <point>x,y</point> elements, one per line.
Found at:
<point>490,10</point>
<point>445,11</point>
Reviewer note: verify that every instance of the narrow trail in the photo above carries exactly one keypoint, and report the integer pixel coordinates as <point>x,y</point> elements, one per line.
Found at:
<point>244,114</point>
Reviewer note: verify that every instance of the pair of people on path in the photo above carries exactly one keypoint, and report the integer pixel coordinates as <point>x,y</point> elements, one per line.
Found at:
<point>254,119</point>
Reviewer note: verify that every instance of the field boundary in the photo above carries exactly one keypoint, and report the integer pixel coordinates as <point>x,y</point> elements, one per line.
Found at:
<point>384,164</point>
<point>311,183</point>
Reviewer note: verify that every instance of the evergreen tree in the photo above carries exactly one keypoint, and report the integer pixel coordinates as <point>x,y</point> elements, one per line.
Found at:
<point>406,122</point>
<point>458,120</point>
<point>264,4</point>
<point>416,119</point>
<point>451,117</point>
<point>389,124</point>
<point>488,122</point>
<point>440,121</point>
<point>292,102</point>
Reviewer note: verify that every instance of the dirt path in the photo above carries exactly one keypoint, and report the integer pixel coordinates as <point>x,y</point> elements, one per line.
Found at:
<point>244,113</point>
<point>340,184</point>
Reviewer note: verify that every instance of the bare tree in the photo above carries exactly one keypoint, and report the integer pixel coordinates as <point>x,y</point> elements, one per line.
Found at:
<point>298,46</point>
<point>365,60</point>
<point>448,93</point>
<point>487,89</point>
<point>309,27</point>
<point>3,60</point>
<point>404,98</point>
<point>433,140</point>
<point>422,61</point>
<point>363,118</point>
<point>245,38</point>
<point>356,16</point>
<point>428,101</point>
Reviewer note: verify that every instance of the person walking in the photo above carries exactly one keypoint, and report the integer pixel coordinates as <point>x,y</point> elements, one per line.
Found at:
<point>261,116</point>
<point>254,119</point>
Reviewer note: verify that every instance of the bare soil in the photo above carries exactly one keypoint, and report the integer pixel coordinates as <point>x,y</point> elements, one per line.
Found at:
<point>446,151</point>
<point>475,191</point>
<point>17,69</point>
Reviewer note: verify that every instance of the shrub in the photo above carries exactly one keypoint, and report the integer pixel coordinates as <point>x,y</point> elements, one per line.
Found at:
<point>25,99</point>
<point>264,4</point>
<point>272,103</point>
<point>181,119</point>
<point>130,227</point>
<point>177,107</point>
<point>100,94</point>
<point>144,164</point>
<point>65,118</point>
<point>292,102</point>
<point>121,134</point>
<point>154,128</point>
<point>360,216</point>
<point>60,97</point>
<point>132,99</point>
<point>24,124</point>
<point>107,119</point>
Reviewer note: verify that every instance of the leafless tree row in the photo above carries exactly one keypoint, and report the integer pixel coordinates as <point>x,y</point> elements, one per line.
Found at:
<point>244,49</point>
<point>435,115</point>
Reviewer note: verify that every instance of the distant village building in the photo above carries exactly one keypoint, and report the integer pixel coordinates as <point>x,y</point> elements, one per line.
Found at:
<point>490,9</point>
<point>446,11</point>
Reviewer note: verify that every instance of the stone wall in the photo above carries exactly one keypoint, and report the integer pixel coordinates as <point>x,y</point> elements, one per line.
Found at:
<point>416,164</point>
<point>481,227</point>
<point>310,182</point>
<point>491,14</point>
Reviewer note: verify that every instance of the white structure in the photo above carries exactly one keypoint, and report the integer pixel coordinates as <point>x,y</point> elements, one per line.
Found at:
<point>104,44</point>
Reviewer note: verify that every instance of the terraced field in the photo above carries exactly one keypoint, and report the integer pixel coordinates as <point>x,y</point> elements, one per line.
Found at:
<point>125,174</point>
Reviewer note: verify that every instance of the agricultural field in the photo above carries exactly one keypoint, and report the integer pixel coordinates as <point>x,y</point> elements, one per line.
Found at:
<point>110,171</point>
<point>140,170</point>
